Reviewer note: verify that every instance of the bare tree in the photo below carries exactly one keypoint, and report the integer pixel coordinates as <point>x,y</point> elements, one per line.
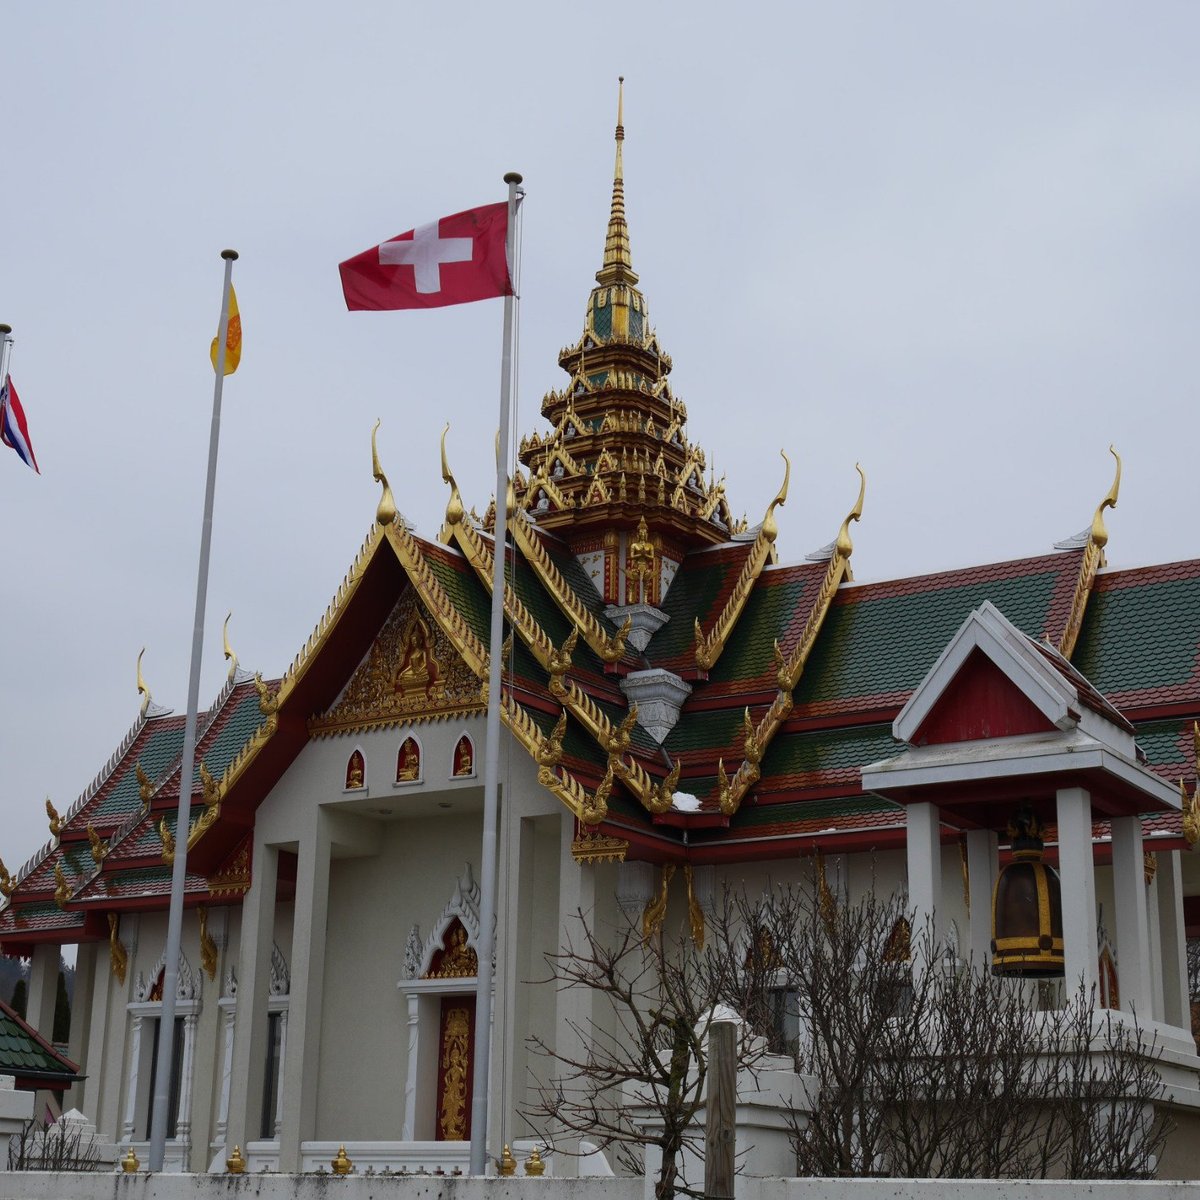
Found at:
<point>639,1075</point>
<point>924,1067</point>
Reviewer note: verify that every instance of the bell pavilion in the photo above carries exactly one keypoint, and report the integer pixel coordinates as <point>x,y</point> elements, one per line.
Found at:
<point>682,711</point>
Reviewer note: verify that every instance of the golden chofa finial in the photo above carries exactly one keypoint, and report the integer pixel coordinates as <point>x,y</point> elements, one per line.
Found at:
<point>56,822</point>
<point>143,690</point>
<point>618,261</point>
<point>385,514</point>
<point>770,527</point>
<point>844,547</point>
<point>230,656</point>
<point>1099,534</point>
<point>454,507</point>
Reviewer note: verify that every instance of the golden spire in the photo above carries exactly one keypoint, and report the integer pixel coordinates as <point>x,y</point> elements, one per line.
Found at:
<point>454,507</point>
<point>229,653</point>
<point>618,262</point>
<point>386,513</point>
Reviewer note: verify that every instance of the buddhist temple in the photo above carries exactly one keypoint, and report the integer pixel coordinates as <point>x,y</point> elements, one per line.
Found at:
<point>682,711</point>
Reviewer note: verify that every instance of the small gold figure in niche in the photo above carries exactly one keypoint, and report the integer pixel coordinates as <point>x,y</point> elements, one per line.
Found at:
<point>408,762</point>
<point>355,771</point>
<point>641,560</point>
<point>464,759</point>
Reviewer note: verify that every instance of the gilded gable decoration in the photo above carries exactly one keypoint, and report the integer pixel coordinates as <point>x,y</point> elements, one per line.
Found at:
<point>412,673</point>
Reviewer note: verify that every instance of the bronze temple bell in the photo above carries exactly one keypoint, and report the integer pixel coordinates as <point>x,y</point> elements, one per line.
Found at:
<point>1027,933</point>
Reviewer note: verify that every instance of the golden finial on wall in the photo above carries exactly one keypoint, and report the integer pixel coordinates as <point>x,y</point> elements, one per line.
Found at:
<point>230,657</point>
<point>235,1164</point>
<point>534,1164</point>
<point>341,1163</point>
<point>209,787</point>
<point>506,1164</point>
<point>1099,533</point>
<point>145,784</point>
<point>143,690</point>
<point>168,840</point>
<point>99,847</point>
<point>208,947</point>
<point>56,822</point>
<point>385,514</point>
<point>130,1163</point>
<point>118,956</point>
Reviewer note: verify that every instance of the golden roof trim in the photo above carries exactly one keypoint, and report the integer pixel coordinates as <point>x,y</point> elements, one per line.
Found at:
<point>1091,562</point>
<point>597,848</point>
<point>710,645</point>
<point>756,738</point>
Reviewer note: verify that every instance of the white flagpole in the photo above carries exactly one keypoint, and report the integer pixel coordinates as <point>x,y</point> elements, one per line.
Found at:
<point>166,1024</point>
<point>491,762</point>
<point>5,352</point>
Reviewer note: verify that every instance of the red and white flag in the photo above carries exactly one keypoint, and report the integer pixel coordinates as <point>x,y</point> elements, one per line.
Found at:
<point>452,261</point>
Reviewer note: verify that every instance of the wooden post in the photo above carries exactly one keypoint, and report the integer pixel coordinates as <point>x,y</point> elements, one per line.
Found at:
<point>721,1099</point>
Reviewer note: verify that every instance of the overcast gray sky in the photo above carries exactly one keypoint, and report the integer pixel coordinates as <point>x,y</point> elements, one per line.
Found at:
<point>956,242</point>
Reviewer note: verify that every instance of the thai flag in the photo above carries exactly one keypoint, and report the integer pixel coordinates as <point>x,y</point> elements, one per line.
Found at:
<point>14,431</point>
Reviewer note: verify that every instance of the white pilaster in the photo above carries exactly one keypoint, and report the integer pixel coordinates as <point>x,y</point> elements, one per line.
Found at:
<point>409,1130</point>
<point>228,1006</point>
<point>131,1079</point>
<point>283,1039</point>
<point>254,979</point>
<point>1173,940</point>
<point>1077,871</point>
<point>572,1006</point>
<point>94,1064</point>
<point>183,1125</point>
<point>81,1009</point>
<point>1129,891</point>
<point>924,870</point>
<point>43,988</point>
<point>982,868</point>
<point>300,1076</point>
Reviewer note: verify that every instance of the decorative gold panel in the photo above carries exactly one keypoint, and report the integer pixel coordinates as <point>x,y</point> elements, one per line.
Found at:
<point>412,673</point>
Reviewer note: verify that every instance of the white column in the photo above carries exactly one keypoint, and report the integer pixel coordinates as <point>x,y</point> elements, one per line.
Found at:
<point>1173,939</point>
<point>131,1079</point>
<point>81,1011</point>
<point>94,1066</point>
<point>229,1011</point>
<point>408,1132</point>
<point>1154,934</point>
<point>572,1006</point>
<point>283,1034</point>
<point>1077,871</point>
<point>254,979</point>
<point>183,1125</point>
<point>983,849</point>
<point>924,872</point>
<point>43,988</point>
<point>308,976</point>
<point>1129,892</point>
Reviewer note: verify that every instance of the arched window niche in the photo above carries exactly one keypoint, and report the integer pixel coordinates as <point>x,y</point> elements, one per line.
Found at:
<point>409,761</point>
<point>462,763</point>
<point>440,978</point>
<point>356,771</point>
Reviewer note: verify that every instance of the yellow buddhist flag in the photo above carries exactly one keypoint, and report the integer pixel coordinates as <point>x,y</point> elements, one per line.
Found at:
<point>233,340</point>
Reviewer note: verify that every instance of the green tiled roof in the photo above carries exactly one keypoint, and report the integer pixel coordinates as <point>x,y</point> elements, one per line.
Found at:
<point>1167,744</point>
<point>155,755</point>
<point>825,750</point>
<point>465,592</point>
<point>858,808</point>
<point>234,734</point>
<point>692,594</point>
<point>22,1052</point>
<point>883,645</point>
<point>749,653</point>
<point>1142,636</point>
<point>715,729</point>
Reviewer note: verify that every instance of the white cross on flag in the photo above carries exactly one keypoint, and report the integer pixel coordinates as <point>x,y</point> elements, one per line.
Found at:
<point>451,261</point>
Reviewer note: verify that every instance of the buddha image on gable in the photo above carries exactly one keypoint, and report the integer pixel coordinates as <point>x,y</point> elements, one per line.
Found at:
<point>418,669</point>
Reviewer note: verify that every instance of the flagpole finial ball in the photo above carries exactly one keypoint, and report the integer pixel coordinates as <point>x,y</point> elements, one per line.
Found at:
<point>230,254</point>
<point>5,330</point>
<point>512,177</point>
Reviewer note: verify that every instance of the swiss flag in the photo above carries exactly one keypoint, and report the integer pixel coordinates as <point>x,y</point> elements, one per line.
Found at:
<point>451,261</point>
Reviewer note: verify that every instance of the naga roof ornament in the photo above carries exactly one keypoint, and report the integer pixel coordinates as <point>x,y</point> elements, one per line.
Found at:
<point>1091,562</point>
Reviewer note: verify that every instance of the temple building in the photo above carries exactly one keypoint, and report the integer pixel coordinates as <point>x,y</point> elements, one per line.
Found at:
<point>681,711</point>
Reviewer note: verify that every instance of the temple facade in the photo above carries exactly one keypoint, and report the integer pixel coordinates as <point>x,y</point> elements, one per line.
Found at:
<point>682,712</point>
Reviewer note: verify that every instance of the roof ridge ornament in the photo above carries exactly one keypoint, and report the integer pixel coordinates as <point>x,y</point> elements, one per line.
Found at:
<point>1091,561</point>
<point>385,514</point>
<point>143,690</point>
<point>230,656</point>
<point>454,506</point>
<point>618,261</point>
